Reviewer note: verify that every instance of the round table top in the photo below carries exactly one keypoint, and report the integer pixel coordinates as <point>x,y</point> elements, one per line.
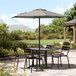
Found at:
<point>43,49</point>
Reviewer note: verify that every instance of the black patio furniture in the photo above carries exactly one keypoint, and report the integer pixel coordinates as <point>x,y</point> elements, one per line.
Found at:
<point>30,55</point>
<point>41,49</point>
<point>63,53</point>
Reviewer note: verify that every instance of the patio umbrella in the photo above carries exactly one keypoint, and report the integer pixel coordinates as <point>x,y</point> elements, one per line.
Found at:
<point>39,13</point>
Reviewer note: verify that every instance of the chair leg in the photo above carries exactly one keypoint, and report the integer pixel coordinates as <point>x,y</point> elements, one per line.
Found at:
<point>36,64</point>
<point>17,63</point>
<point>29,62</point>
<point>31,69</point>
<point>25,64</point>
<point>60,61</point>
<point>68,62</point>
<point>52,62</point>
<point>42,64</point>
<point>15,58</point>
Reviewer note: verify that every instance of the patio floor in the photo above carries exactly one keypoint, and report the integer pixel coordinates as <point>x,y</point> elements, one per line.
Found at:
<point>62,71</point>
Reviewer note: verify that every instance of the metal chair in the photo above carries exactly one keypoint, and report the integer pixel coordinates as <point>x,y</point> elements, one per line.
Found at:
<point>64,53</point>
<point>28,56</point>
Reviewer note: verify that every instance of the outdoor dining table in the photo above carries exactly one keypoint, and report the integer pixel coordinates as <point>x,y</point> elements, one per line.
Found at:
<point>41,49</point>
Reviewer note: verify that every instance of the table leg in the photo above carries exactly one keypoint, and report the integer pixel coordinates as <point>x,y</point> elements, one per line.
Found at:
<point>32,57</point>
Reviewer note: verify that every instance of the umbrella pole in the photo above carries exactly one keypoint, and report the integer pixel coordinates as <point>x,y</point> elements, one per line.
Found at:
<point>39,41</point>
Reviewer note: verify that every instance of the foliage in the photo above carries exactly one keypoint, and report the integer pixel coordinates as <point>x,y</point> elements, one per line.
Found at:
<point>71,13</point>
<point>4,72</point>
<point>57,45</point>
<point>3,52</point>
<point>8,71</point>
<point>43,29</point>
<point>66,43</point>
<point>3,30</point>
<point>73,46</point>
<point>18,44</point>
<point>57,26</point>
<point>53,30</point>
<point>34,45</point>
<point>5,43</point>
<point>16,35</point>
<point>55,36</point>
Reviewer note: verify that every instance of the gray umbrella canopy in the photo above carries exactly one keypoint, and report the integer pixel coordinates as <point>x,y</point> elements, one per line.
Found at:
<point>71,22</point>
<point>39,13</point>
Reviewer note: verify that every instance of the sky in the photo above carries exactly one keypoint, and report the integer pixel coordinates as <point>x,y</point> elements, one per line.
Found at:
<point>10,8</point>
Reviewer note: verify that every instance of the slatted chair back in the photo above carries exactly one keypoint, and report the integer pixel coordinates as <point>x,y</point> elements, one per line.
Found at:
<point>65,50</point>
<point>15,51</point>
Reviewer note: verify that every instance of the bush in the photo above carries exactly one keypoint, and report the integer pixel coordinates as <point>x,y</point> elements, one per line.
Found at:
<point>66,44</point>
<point>5,43</point>
<point>73,46</point>
<point>57,45</point>
<point>10,51</point>
<point>19,44</point>
<point>55,36</point>
<point>52,36</point>
<point>3,52</point>
<point>4,72</point>
<point>20,51</point>
<point>33,46</point>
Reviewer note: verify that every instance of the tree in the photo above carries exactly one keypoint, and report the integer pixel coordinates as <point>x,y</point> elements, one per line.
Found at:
<point>43,29</point>
<point>3,30</point>
<point>71,13</point>
<point>57,26</point>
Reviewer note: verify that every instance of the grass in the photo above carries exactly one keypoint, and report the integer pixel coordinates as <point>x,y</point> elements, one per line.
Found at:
<point>52,41</point>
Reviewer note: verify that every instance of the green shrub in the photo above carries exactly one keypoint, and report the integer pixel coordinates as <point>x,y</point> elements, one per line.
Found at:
<point>8,71</point>
<point>66,44</point>
<point>20,51</point>
<point>4,72</point>
<point>52,36</point>
<point>19,45</point>
<point>5,43</point>
<point>33,46</point>
<point>57,45</point>
<point>3,52</point>
<point>11,52</point>
<point>73,46</point>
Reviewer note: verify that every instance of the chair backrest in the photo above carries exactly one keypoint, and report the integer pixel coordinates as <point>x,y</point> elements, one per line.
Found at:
<point>65,50</point>
<point>27,52</point>
<point>50,47</point>
<point>15,51</point>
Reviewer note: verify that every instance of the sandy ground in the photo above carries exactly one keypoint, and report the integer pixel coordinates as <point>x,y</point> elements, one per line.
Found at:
<point>62,71</point>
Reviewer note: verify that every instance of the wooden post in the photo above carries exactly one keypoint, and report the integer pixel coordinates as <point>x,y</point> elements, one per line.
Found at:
<point>64,34</point>
<point>74,33</point>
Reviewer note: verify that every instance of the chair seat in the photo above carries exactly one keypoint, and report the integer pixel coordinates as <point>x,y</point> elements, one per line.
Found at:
<point>42,54</point>
<point>35,57</point>
<point>56,55</point>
